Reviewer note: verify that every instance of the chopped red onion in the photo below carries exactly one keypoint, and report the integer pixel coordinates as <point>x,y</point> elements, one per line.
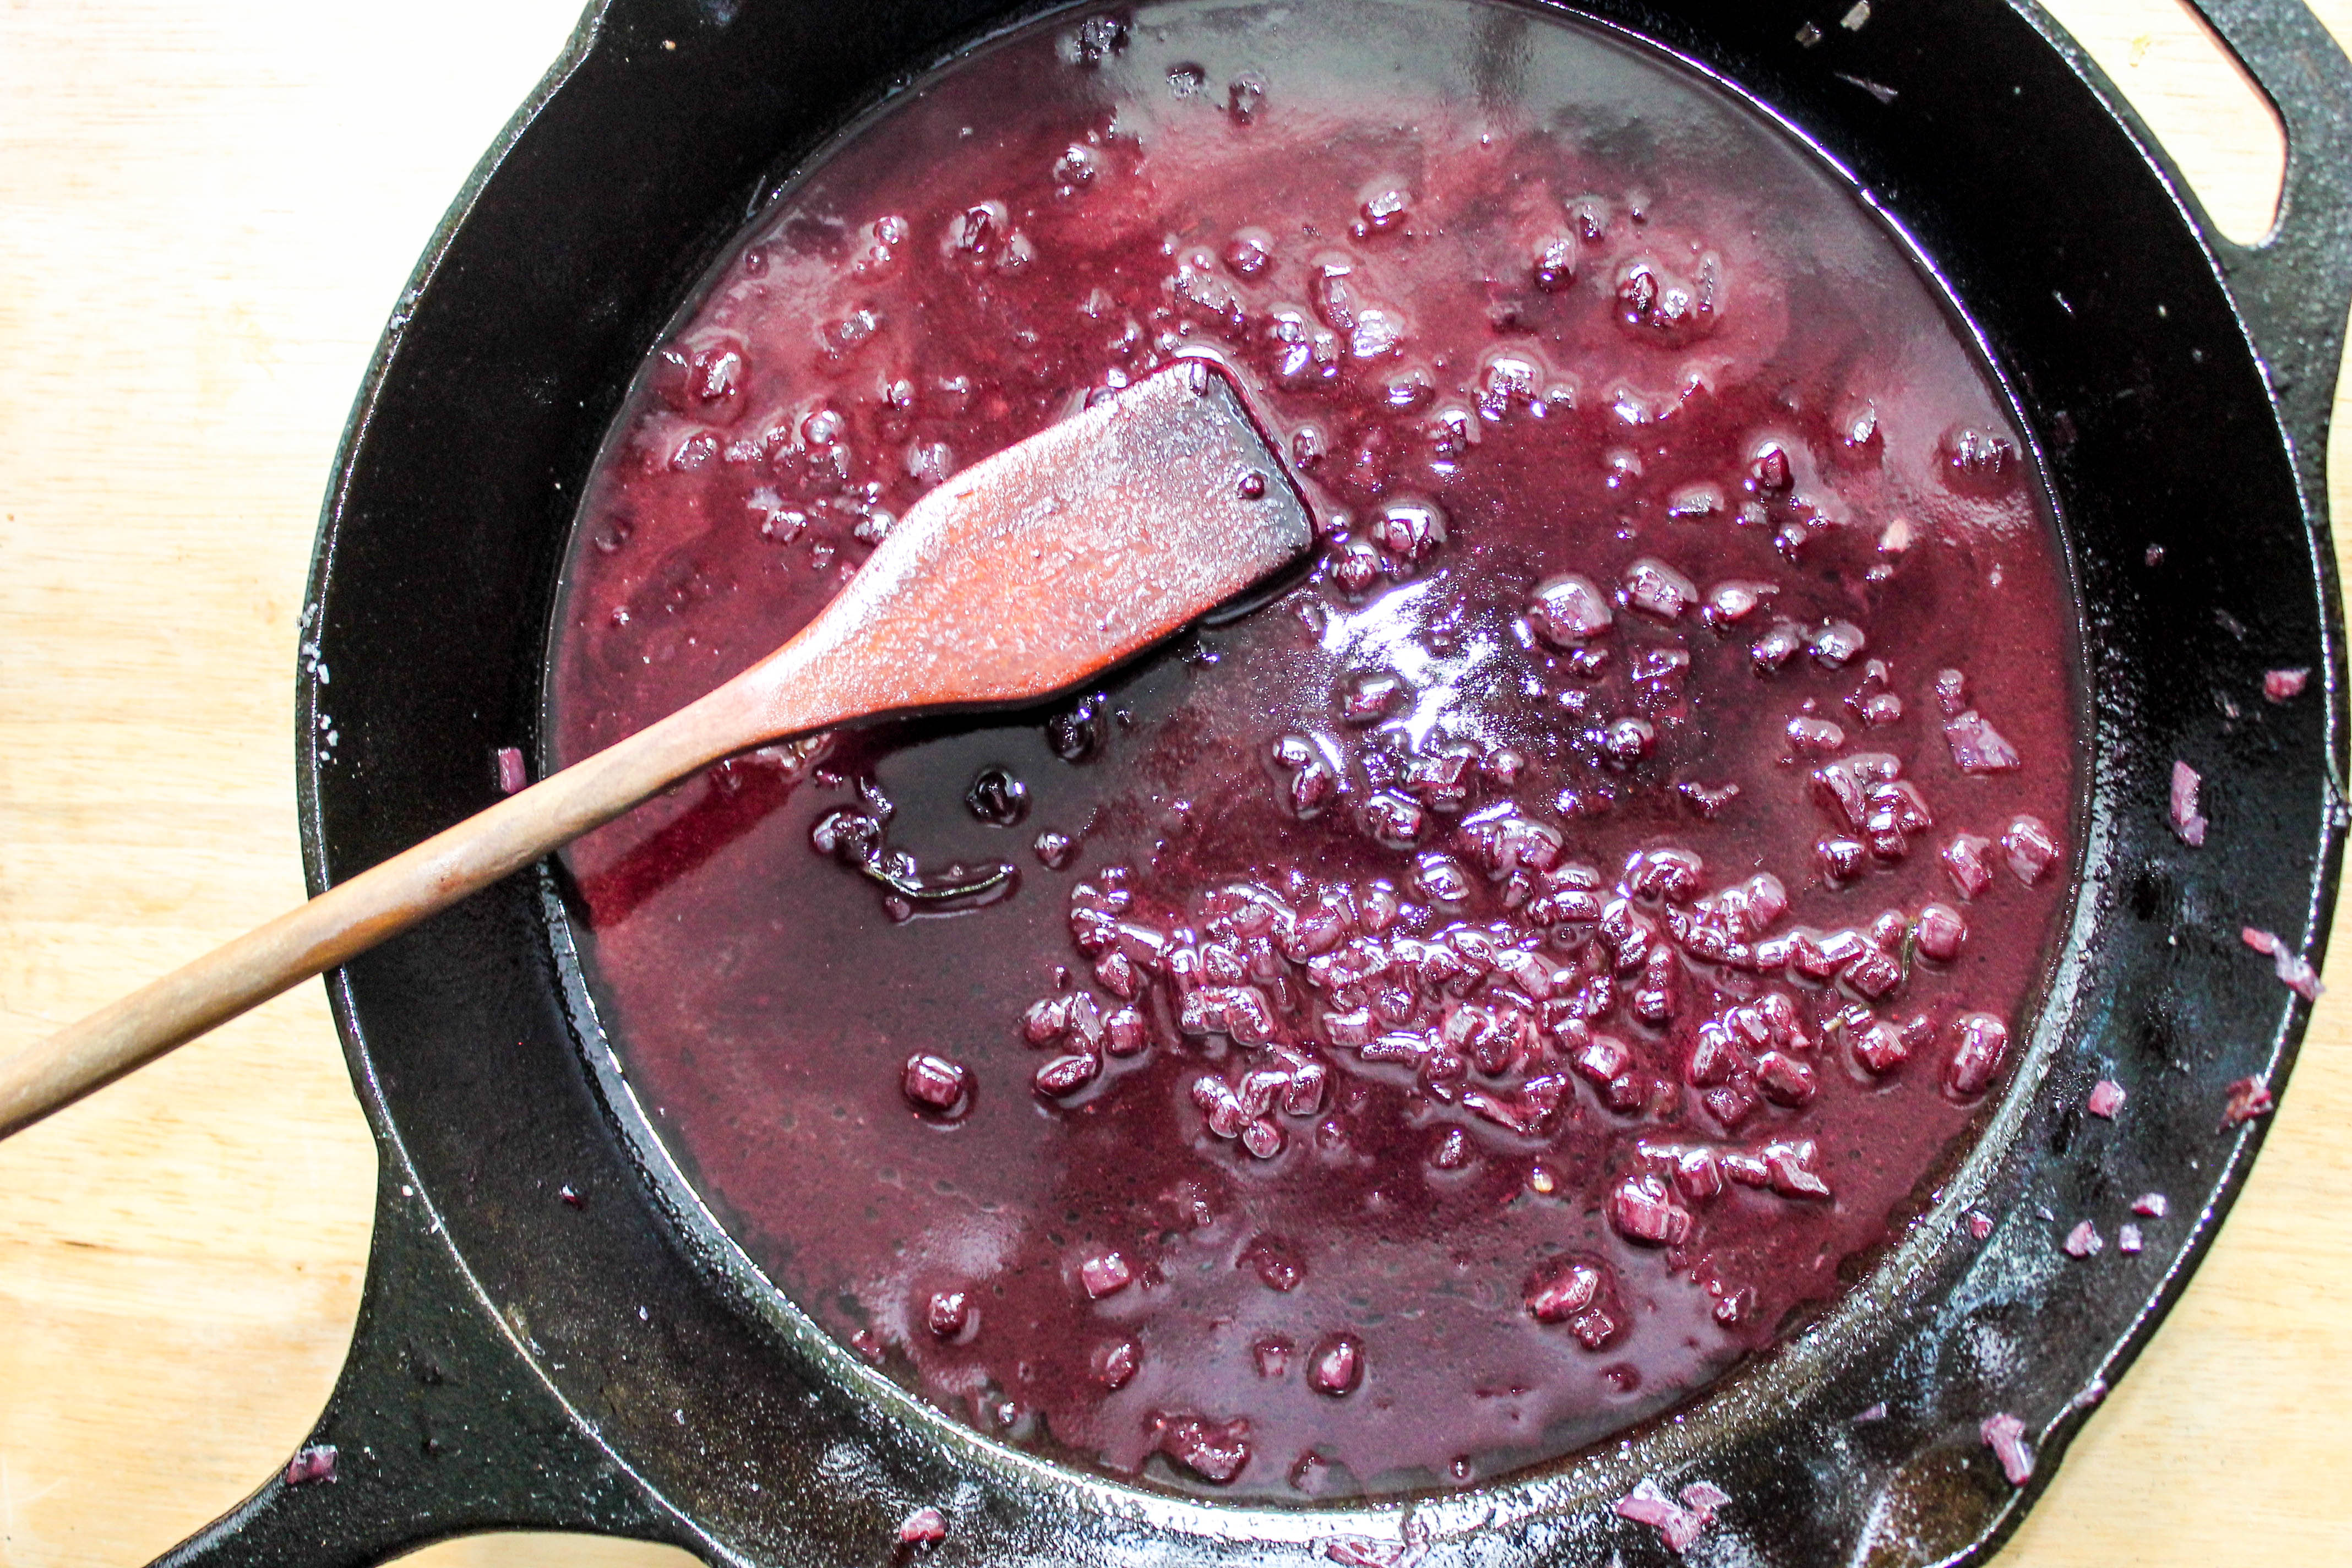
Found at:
<point>2281,685</point>
<point>1789,1168</point>
<point>2107,1098</point>
<point>1216,1451</point>
<point>2005,1435</point>
<point>1966,860</point>
<point>1979,1223</point>
<point>1570,610</point>
<point>934,1083</point>
<point>1703,1497</point>
<point>1104,1274</point>
<point>1708,800</point>
<point>1657,589</point>
<point>2127,1238</point>
<point>1939,931</point>
<point>922,1527</point>
<point>1976,746</point>
<point>1984,1040</point>
<point>2154,1205</point>
<point>1728,602</point>
<point>1642,1210</point>
<point>1875,1412</point>
<point>2030,846</point>
<point>1358,1552</point>
<point>2295,970</point>
<point>2083,1240</point>
<point>1951,692</point>
<point>512,776</point>
<point>316,1462</point>
<point>2090,1393</point>
<point>1677,1525</point>
<point>2249,1098</point>
<point>2186,822</point>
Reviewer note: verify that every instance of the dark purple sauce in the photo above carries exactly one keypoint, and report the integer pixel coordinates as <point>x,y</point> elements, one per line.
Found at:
<point>1467,1004</point>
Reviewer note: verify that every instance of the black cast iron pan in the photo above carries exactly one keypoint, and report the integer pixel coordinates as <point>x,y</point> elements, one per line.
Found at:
<point>615,1365</point>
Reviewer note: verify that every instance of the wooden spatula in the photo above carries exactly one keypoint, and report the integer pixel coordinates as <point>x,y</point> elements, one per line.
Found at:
<point>1017,578</point>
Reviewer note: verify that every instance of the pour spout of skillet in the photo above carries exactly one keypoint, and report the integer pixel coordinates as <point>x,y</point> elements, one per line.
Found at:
<point>1021,575</point>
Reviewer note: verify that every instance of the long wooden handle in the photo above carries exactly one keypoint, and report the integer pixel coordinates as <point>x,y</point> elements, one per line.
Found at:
<point>354,916</point>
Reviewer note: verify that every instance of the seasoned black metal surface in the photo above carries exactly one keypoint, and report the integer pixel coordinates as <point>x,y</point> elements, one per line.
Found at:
<point>613,1364</point>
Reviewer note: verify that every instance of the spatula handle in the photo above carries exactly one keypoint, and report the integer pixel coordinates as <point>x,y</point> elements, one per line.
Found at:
<point>1028,572</point>
<point>355,915</point>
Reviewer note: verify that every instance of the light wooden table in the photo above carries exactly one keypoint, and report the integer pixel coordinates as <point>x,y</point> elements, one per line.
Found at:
<point>205,212</point>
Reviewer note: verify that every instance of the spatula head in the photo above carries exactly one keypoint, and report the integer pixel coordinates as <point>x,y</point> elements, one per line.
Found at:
<point>1082,546</point>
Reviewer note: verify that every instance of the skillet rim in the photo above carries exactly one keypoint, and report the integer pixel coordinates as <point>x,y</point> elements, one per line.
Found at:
<point>315,847</point>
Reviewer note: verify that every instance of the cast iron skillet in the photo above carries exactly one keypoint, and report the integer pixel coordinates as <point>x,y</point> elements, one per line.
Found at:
<point>611,1363</point>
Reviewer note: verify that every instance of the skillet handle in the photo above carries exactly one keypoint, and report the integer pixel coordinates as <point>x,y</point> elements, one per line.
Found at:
<point>2294,285</point>
<point>440,1428</point>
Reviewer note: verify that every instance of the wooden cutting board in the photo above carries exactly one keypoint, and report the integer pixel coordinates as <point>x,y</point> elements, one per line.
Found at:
<point>205,212</point>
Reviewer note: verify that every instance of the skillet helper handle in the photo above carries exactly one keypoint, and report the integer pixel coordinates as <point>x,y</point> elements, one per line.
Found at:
<point>355,915</point>
<point>2294,285</point>
<point>437,1428</point>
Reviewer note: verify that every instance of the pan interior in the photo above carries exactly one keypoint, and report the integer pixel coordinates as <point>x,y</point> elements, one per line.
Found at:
<point>765,998</point>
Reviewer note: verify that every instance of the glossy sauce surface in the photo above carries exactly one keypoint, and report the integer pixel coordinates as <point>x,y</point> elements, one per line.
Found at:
<point>1467,1004</point>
